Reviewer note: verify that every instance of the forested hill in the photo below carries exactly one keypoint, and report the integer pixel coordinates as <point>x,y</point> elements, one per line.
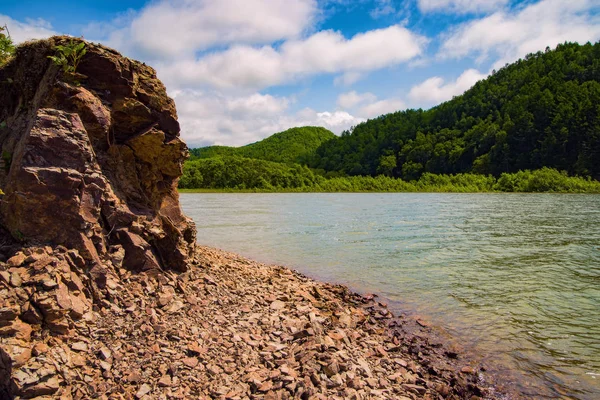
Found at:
<point>292,146</point>
<point>540,111</point>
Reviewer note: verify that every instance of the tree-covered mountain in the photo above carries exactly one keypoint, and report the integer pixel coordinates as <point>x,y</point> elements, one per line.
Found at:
<point>292,146</point>
<point>541,111</point>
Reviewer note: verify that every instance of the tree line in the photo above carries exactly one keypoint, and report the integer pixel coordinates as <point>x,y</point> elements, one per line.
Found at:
<point>233,173</point>
<point>541,111</point>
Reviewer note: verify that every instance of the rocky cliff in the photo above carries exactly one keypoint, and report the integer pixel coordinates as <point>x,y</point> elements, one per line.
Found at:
<point>89,171</point>
<point>93,164</point>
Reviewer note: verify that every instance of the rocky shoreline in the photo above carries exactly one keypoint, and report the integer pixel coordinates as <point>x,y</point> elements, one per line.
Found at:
<point>228,328</point>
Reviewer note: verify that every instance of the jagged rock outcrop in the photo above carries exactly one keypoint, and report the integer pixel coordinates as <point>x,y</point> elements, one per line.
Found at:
<point>89,171</point>
<point>92,165</point>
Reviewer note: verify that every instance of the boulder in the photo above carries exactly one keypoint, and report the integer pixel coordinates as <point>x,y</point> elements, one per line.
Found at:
<point>94,163</point>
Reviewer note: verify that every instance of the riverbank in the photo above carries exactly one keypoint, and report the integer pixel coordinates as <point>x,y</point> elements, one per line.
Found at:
<point>227,328</point>
<point>235,328</point>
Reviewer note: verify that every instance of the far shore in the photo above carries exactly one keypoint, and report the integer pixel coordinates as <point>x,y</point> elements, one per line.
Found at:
<point>364,191</point>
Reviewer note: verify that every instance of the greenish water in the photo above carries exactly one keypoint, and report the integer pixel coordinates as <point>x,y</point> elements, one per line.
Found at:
<point>513,277</point>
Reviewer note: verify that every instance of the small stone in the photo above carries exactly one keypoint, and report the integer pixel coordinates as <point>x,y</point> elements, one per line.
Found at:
<point>415,388</point>
<point>372,382</point>
<point>194,349</point>
<point>336,335</point>
<point>134,377</point>
<point>105,366</point>
<point>214,369</point>
<point>8,314</point>
<point>331,369</point>
<point>467,370</point>
<point>165,381</point>
<point>17,260</point>
<point>277,305</point>
<point>104,353</point>
<point>382,351</point>
<point>39,349</point>
<point>144,390</point>
<point>191,362</point>
<point>15,279</point>
<point>44,388</point>
<point>49,284</point>
<point>79,346</point>
<point>266,386</point>
<point>400,362</point>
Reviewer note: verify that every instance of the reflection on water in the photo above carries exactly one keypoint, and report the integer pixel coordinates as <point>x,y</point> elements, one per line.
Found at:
<point>516,277</point>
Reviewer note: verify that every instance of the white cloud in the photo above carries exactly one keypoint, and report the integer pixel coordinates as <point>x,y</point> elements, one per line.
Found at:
<point>28,30</point>
<point>336,121</point>
<point>461,6</point>
<point>381,107</point>
<point>434,90</point>
<point>351,99</point>
<point>347,78</point>
<point>174,28</point>
<point>510,35</point>
<point>367,105</point>
<point>213,118</point>
<point>324,52</point>
<point>383,8</point>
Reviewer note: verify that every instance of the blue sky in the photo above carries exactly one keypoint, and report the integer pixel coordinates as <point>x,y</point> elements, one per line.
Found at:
<point>241,70</point>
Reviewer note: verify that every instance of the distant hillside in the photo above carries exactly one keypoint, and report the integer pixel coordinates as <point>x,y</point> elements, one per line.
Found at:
<point>542,111</point>
<point>292,146</point>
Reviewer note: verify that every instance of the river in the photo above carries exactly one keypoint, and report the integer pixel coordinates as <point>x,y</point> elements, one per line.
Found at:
<point>514,277</point>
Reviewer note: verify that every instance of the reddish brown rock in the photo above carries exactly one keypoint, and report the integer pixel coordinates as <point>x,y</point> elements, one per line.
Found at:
<point>90,161</point>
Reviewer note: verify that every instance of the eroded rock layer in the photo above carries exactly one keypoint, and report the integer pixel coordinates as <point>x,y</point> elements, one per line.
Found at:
<point>91,160</point>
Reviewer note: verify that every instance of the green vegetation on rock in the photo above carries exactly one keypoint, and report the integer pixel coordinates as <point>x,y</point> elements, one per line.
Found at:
<point>68,56</point>
<point>7,49</point>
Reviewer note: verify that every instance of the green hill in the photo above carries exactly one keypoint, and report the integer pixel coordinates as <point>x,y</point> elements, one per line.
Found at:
<point>514,131</point>
<point>292,146</point>
<point>542,111</point>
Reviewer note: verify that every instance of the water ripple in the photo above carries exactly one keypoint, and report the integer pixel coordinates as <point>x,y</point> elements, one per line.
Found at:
<point>515,277</point>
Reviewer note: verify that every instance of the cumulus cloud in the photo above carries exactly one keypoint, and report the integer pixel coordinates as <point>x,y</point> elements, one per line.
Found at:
<point>366,104</point>
<point>383,8</point>
<point>461,6</point>
<point>209,118</point>
<point>174,28</point>
<point>510,35</point>
<point>381,107</point>
<point>347,78</point>
<point>249,67</point>
<point>435,90</point>
<point>28,30</point>
<point>351,99</point>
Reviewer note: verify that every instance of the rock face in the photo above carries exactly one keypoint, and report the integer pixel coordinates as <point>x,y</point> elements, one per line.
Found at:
<point>92,165</point>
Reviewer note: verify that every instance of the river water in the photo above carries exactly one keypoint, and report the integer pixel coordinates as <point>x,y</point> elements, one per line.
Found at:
<point>513,277</point>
